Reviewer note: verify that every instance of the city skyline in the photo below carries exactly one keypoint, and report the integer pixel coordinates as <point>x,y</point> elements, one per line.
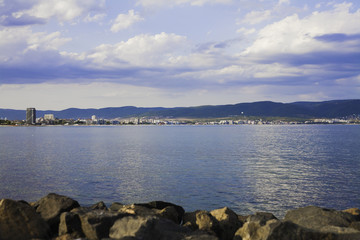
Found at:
<point>150,53</point>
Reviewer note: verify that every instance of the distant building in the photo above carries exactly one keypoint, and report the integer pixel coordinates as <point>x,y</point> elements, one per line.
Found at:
<point>93,119</point>
<point>49,117</point>
<point>31,116</point>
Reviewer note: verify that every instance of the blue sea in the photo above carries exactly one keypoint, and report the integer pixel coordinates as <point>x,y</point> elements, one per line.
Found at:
<point>247,168</point>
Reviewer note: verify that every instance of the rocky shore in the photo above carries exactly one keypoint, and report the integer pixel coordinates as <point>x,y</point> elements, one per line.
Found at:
<point>61,218</point>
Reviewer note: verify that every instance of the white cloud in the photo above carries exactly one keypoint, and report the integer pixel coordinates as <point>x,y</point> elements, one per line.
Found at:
<point>124,21</point>
<point>94,18</point>
<point>15,43</point>
<point>246,31</point>
<point>159,3</point>
<point>45,41</point>
<point>63,10</point>
<point>281,2</point>
<point>142,50</point>
<point>296,35</point>
<point>255,17</point>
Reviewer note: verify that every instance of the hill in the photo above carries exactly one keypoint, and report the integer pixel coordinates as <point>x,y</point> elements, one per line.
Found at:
<point>327,109</point>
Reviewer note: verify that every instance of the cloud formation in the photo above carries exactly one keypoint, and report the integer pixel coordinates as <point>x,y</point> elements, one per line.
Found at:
<point>21,12</point>
<point>305,53</point>
<point>124,21</point>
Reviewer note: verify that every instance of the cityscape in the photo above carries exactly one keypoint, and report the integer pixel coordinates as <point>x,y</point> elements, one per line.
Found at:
<point>51,120</point>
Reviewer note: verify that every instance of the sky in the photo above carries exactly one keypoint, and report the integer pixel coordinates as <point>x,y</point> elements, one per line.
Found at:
<point>58,54</point>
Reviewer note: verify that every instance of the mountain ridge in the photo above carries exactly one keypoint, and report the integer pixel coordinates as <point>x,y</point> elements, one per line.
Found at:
<point>303,109</point>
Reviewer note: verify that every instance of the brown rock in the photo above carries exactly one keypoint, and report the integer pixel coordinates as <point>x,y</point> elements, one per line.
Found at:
<point>51,206</point>
<point>315,217</point>
<point>355,225</point>
<point>116,206</point>
<point>18,220</point>
<point>147,227</point>
<point>228,221</point>
<point>100,205</point>
<point>70,224</point>
<point>160,205</point>
<point>353,211</point>
<point>95,224</point>
<point>261,217</point>
<point>168,212</point>
<point>276,230</point>
<point>202,220</point>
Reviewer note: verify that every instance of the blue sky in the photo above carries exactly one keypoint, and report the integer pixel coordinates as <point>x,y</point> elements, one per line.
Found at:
<point>57,54</point>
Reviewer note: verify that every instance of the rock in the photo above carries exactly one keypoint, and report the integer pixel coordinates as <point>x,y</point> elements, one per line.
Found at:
<point>353,211</point>
<point>276,230</point>
<point>18,220</point>
<point>160,205</point>
<point>200,235</point>
<point>147,227</point>
<point>70,224</point>
<point>261,217</point>
<point>255,230</point>
<point>100,205</point>
<point>228,221</point>
<point>95,224</point>
<point>65,237</point>
<point>168,212</point>
<point>355,225</point>
<point>202,220</point>
<point>51,206</point>
<point>115,206</point>
<point>316,218</point>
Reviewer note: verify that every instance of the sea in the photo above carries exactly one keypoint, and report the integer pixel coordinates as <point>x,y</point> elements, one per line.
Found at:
<point>248,168</point>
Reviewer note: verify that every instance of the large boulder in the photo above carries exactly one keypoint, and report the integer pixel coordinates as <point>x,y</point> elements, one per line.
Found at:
<point>276,230</point>
<point>261,217</point>
<point>228,221</point>
<point>147,227</point>
<point>160,205</point>
<point>70,224</point>
<point>95,223</point>
<point>51,206</point>
<point>317,218</point>
<point>353,211</point>
<point>202,220</point>
<point>170,212</point>
<point>18,220</point>
<point>100,205</point>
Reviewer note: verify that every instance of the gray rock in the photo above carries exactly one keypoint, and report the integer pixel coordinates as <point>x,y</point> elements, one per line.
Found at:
<point>147,227</point>
<point>115,206</point>
<point>315,217</point>
<point>70,224</point>
<point>261,217</point>
<point>18,220</point>
<point>95,224</point>
<point>160,205</point>
<point>228,221</point>
<point>100,205</point>
<point>202,220</point>
<point>51,206</point>
<point>256,230</point>
<point>353,211</point>
<point>168,212</point>
<point>355,225</point>
<point>276,230</point>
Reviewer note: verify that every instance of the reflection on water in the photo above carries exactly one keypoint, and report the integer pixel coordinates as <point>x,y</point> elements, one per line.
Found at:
<point>248,168</point>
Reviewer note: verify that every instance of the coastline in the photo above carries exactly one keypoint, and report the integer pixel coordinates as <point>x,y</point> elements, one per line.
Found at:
<point>60,217</point>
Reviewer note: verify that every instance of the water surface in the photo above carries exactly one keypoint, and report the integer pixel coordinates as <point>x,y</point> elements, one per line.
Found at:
<point>247,168</point>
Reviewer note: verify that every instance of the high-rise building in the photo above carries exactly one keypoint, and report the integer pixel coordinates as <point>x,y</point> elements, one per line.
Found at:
<point>30,116</point>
